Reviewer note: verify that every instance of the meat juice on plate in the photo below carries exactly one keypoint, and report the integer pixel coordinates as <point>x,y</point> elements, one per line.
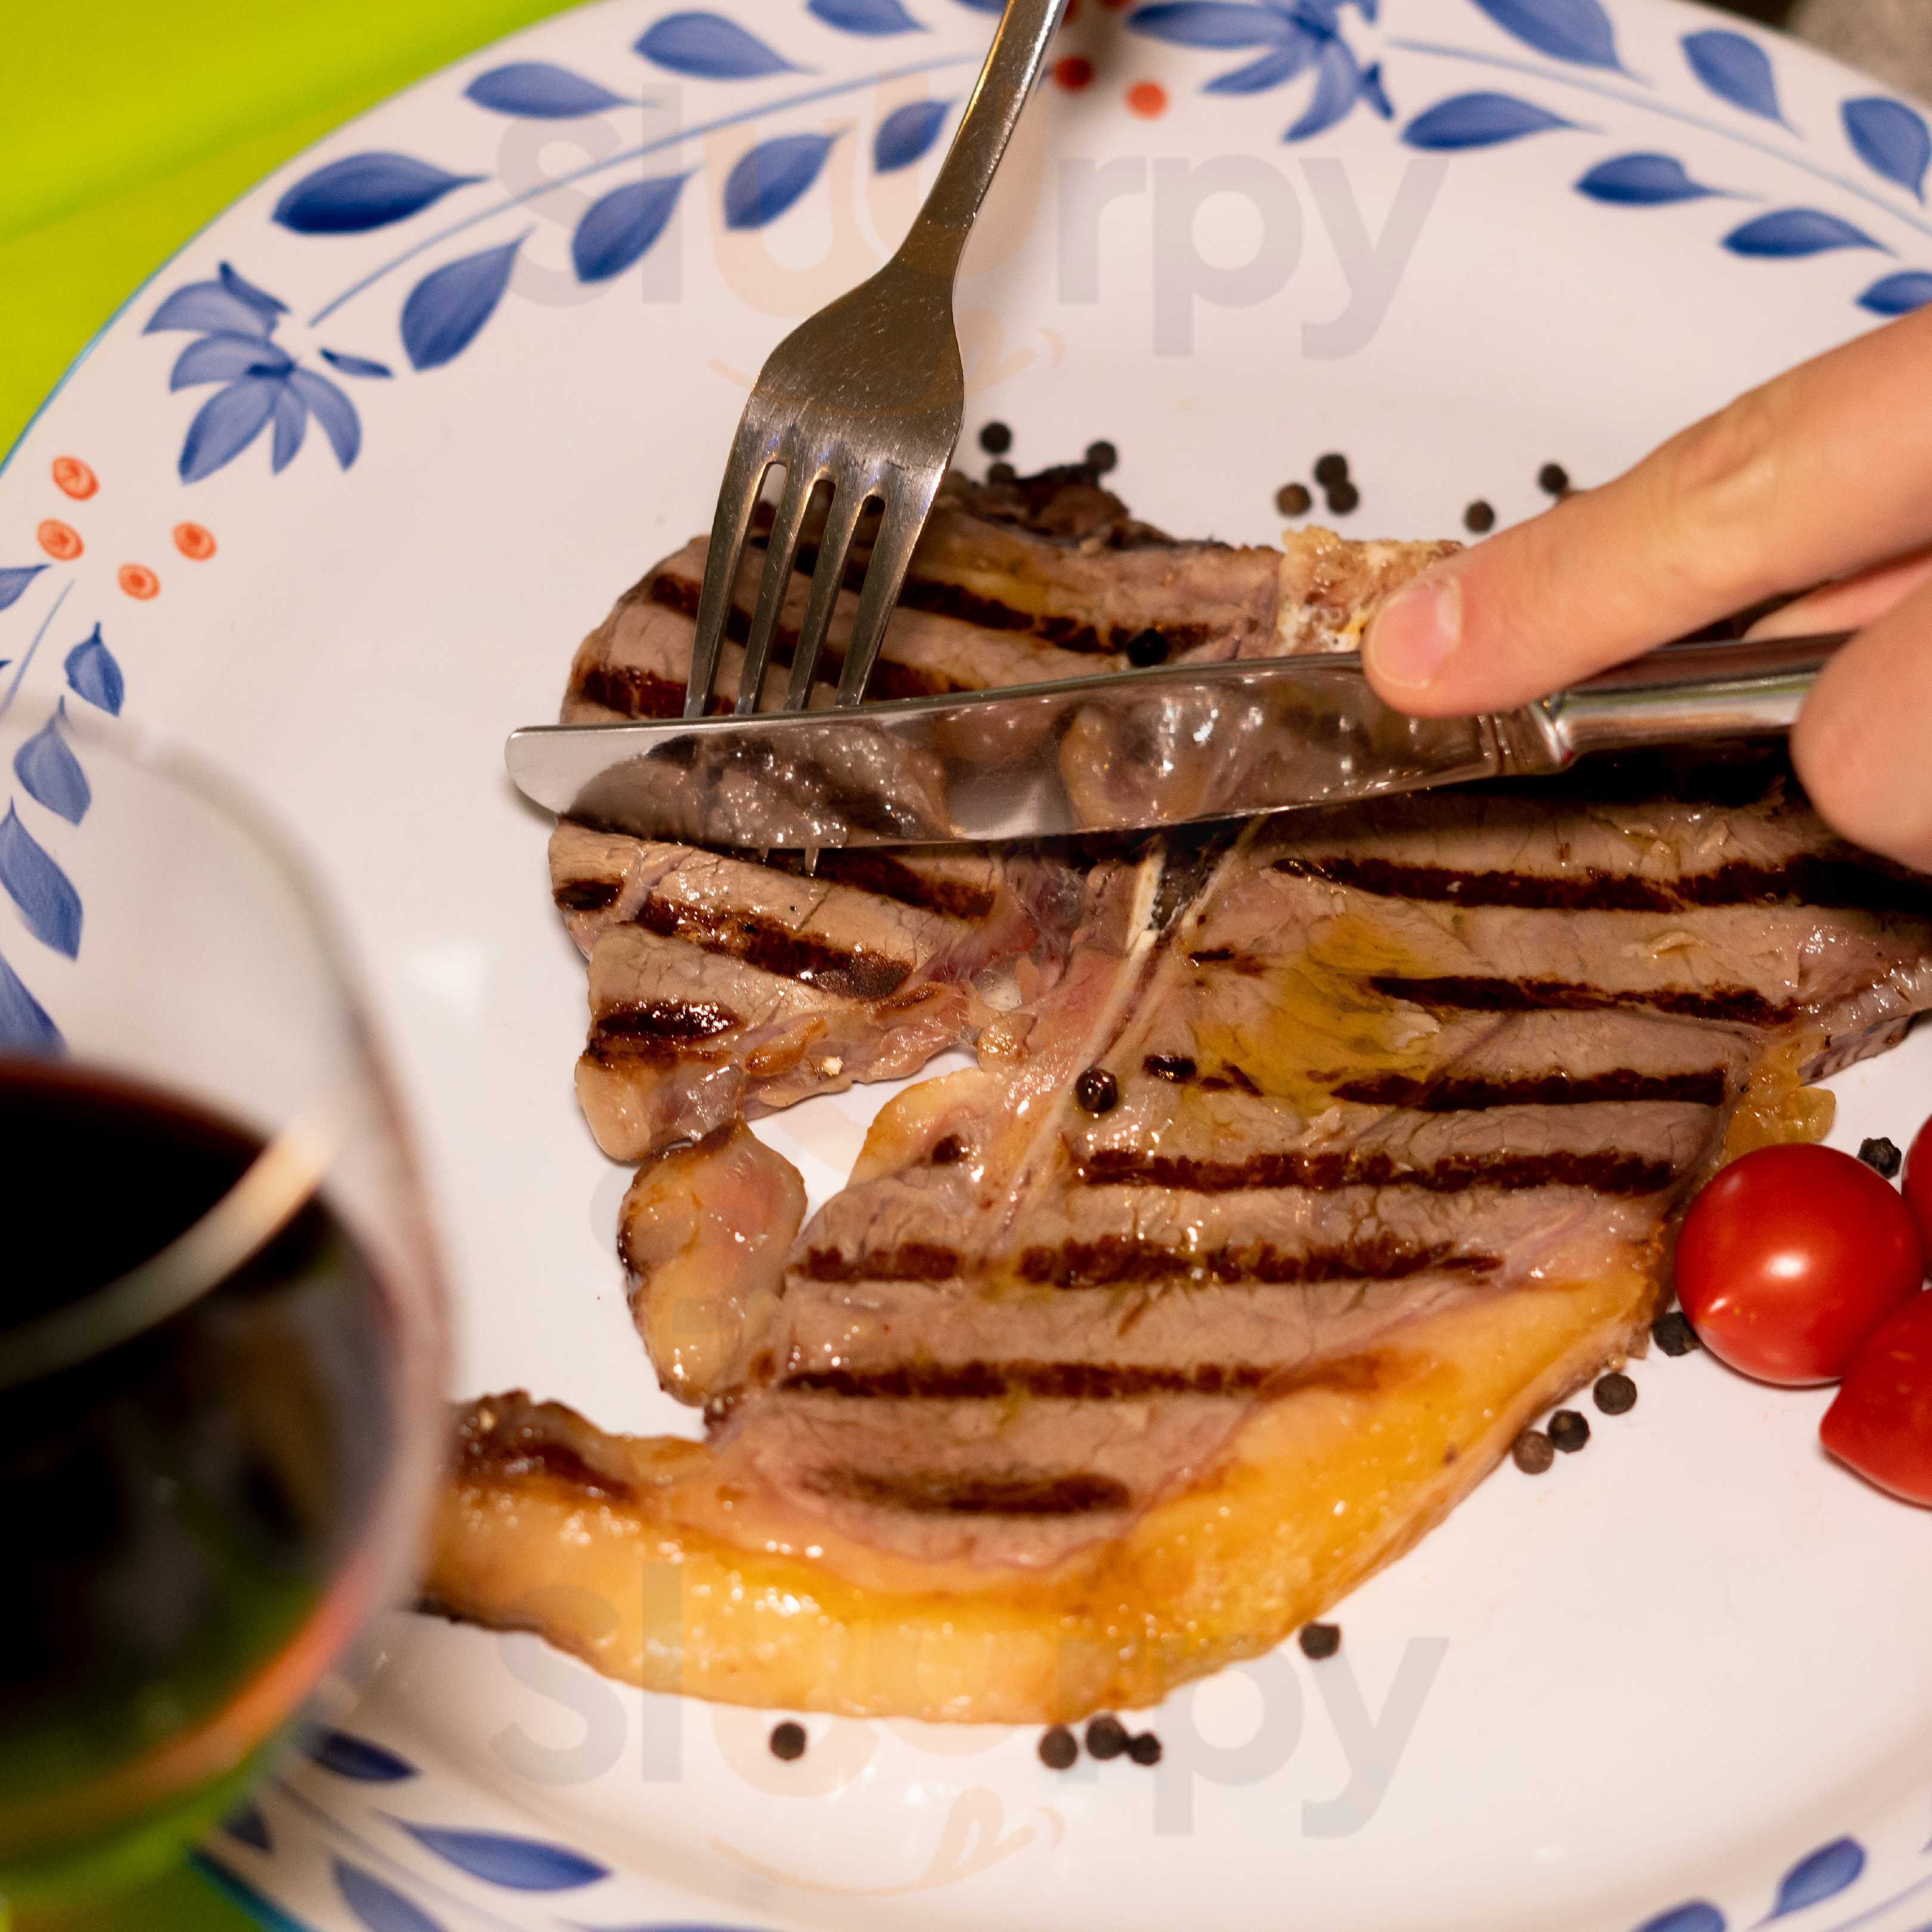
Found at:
<point>179,1504</point>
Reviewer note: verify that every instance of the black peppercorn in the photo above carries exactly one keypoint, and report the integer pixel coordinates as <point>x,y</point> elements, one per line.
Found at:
<point>1101,457</point>
<point>1883,1156</point>
<point>787,1741</point>
<point>1480,518</point>
<point>1674,1335</point>
<point>1320,1640</point>
<point>1106,1738</point>
<point>1144,1749</point>
<point>1554,479</point>
<point>1615,1395</point>
<point>1331,470</point>
<point>1293,499</point>
<point>1001,472</point>
<point>1568,1431</point>
<point>1146,648</point>
<point>996,439</point>
<point>1059,1749</point>
<point>1345,499</point>
<point>1533,1452</point>
<point>1097,1091</point>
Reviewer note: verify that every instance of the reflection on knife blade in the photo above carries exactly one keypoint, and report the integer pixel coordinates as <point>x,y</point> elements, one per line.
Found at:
<point>1159,747</point>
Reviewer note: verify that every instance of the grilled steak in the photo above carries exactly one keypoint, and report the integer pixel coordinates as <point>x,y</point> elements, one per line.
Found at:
<point>1302,1166</point>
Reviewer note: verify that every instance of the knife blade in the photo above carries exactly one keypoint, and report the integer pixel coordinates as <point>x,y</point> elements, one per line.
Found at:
<point>1172,746</point>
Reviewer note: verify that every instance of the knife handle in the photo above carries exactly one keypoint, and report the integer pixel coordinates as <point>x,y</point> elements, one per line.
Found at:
<point>1675,696</point>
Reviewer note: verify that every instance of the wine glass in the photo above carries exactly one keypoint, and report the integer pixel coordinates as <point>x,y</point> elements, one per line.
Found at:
<point>221,1316</point>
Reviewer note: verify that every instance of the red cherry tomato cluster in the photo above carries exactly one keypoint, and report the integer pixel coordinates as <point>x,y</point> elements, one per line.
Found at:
<point>1800,1265</point>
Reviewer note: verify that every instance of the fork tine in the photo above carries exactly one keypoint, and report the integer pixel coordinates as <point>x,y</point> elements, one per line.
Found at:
<point>781,549</point>
<point>848,503</point>
<point>751,455</point>
<point>908,501</point>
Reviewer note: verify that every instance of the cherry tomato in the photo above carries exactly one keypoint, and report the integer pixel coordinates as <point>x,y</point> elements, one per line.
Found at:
<point>1791,1258</point>
<point>1881,1421</point>
<point>1918,1183</point>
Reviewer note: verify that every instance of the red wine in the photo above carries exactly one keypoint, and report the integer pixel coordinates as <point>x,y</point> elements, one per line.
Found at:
<point>174,1505</point>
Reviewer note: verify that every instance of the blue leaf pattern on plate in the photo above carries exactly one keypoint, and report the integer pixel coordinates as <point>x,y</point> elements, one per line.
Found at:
<point>291,422</point>
<point>1736,69</point>
<point>208,306</point>
<point>1898,294</point>
<point>356,1758</point>
<point>1698,1916</point>
<point>985,6</point>
<point>1479,121</point>
<point>44,894</point>
<point>331,409</point>
<point>1891,140</point>
<point>906,134</point>
<point>1212,23</point>
<point>710,47</point>
<point>221,359</point>
<point>380,1907</point>
<point>864,17</point>
<point>51,774</point>
<point>93,674</point>
<point>226,424</point>
<point>13,583</point>
<point>1339,83</point>
<point>1280,64</point>
<point>1823,1874</point>
<point>1578,31</point>
<point>1642,181</point>
<point>1794,231</point>
<point>517,1864</point>
<point>541,91</point>
<point>773,175</point>
<point>25,1023</point>
<point>447,308</point>
<point>247,1826</point>
<point>363,191</point>
<point>356,365</point>
<point>243,290</point>
<point>621,226</point>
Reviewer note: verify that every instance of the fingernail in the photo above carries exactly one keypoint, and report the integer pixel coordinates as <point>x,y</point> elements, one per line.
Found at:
<point>1417,630</point>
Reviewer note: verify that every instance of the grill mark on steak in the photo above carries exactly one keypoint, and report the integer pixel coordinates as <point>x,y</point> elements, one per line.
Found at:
<point>887,877</point>
<point>587,895</point>
<point>1116,1261</point>
<point>939,1492</point>
<point>1058,1381</point>
<point>1119,1261</point>
<point>1808,880</point>
<point>1738,1004</point>
<point>1609,1171</point>
<point>659,1026</point>
<point>1083,1382</point>
<point>763,943</point>
<point>634,692</point>
<point>1460,1094</point>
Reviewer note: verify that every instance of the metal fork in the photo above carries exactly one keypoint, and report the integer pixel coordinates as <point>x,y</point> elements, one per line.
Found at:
<point>868,395</point>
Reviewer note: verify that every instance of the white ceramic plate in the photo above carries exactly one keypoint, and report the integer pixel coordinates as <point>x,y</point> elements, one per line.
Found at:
<point>1685,1681</point>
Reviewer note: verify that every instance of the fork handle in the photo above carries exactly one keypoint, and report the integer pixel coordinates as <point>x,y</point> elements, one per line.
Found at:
<point>938,238</point>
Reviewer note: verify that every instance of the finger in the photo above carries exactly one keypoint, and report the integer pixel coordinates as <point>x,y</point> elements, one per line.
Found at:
<point>1851,604</point>
<point>1860,746</point>
<point>1825,472</point>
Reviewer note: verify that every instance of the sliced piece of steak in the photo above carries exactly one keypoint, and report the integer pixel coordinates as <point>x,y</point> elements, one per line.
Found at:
<point>703,1234</point>
<point>682,1040</point>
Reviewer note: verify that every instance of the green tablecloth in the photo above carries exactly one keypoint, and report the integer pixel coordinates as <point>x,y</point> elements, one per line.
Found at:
<point>127,124</point>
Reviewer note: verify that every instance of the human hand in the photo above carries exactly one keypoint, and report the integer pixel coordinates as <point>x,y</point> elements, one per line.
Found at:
<point>1822,476</point>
